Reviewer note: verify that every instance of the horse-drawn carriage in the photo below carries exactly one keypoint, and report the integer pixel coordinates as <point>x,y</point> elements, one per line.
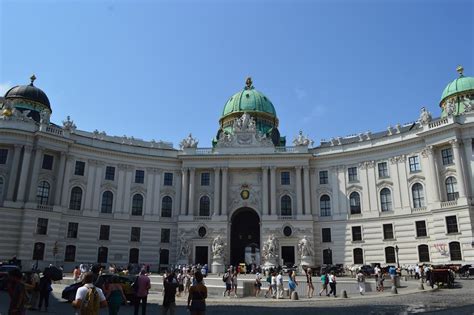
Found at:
<point>441,276</point>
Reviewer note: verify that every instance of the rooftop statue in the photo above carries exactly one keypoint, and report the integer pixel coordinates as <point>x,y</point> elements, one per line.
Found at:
<point>189,142</point>
<point>68,124</point>
<point>425,116</point>
<point>301,140</point>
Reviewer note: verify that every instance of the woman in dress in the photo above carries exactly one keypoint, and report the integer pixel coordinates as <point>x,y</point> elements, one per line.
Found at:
<point>197,296</point>
<point>309,282</point>
<point>292,283</point>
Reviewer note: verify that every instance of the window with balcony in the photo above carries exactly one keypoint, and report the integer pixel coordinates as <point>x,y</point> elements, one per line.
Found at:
<point>107,202</point>
<point>204,206</point>
<point>418,195</point>
<point>386,199</point>
<point>137,204</point>
<point>451,188</point>
<point>354,201</point>
<point>325,205</point>
<point>285,205</point>
<point>42,193</point>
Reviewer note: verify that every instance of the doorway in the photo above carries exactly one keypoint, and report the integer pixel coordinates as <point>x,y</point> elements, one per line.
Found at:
<point>245,237</point>
<point>201,256</point>
<point>288,255</point>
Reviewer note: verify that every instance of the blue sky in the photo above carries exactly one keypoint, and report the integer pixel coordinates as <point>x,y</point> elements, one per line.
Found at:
<point>162,69</point>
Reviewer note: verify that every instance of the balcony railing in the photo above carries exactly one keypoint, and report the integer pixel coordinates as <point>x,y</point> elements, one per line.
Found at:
<point>286,217</point>
<point>44,207</point>
<point>438,123</point>
<point>419,209</point>
<point>447,204</point>
<point>54,130</point>
<point>202,218</point>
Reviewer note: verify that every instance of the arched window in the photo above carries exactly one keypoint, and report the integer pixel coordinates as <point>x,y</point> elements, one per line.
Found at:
<point>166,206</point>
<point>285,205</point>
<point>76,198</point>
<point>386,199</point>
<point>102,254</point>
<point>455,251</point>
<point>38,251</point>
<point>137,204</point>
<point>133,255</point>
<point>325,205</point>
<point>204,206</point>
<point>390,255</point>
<point>42,193</point>
<point>451,188</point>
<point>418,195</point>
<point>423,253</point>
<point>70,254</point>
<point>354,199</point>
<point>358,256</point>
<point>107,202</point>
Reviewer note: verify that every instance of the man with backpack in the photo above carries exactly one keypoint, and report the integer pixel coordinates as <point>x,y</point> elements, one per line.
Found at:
<point>227,278</point>
<point>89,299</point>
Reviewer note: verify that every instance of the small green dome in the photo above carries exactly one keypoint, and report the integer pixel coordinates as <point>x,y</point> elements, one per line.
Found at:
<point>459,85</point>
<point>248,100</point>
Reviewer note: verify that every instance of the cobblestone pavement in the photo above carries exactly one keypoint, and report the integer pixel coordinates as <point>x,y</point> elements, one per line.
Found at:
<point>444,301</point>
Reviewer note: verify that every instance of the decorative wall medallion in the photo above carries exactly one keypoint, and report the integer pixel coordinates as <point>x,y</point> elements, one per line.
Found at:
<point>245,194</point>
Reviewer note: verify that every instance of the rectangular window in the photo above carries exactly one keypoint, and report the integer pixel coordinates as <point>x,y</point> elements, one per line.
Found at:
<point>110,173</point>
<point>205,179</point>
<point>388,232</point>
<point>356,233</point>
<point>104,233</point>
<point>165,235</point>
<point>447,155</point>
<point>47,162</point>
<point>72,229</point>
<point>42,226</point>
<point>3,156</point>
<point>135,234</point>
<point>414,162</point>
<point>421,229</point>
<point>452,224</point>
<point>323,177</point>
<point>383,169</point>
<point>352,172</point>
<point>285,178</point>
<point>326,235</point>
<point>168,181</point>
<point>79,169</point>
<point>139,176</point>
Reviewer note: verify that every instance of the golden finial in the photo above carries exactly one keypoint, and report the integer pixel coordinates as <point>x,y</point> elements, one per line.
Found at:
<point>32,78</point>
<point>460,70</point>
<point>248,83</point>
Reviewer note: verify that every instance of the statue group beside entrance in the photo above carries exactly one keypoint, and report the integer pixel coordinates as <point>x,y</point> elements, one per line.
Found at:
<point>218,253</point>
<point>270,252</point>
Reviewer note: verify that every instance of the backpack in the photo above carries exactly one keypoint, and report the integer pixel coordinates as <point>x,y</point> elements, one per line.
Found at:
<point>225,277</point>
<point>135,285</point>
<point>91,303</point>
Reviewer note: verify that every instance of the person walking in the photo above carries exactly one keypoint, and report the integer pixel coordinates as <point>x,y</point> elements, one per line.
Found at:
<point>34,292</point>
<point>258,284</point>
<point>169,294</point>
<point>76,274</point>
<point>197,296</point>
<point>332,284</point>
<point>115,295</point>
<point>234,283</point>
<point>17,293</point>
<point>269,292</point>
<point>89,299</point>
<point>361,282</point>
<point>309,282</point>
<point>227,278</point>
<point>45,289</point>
<point>324,283</point>
<point>292,283</point>
<point>279,282</point>
<point>141,293</point>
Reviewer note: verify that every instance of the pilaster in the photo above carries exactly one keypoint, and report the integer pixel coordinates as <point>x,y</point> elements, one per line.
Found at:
<point>13,176</point>
<point>25,166</point>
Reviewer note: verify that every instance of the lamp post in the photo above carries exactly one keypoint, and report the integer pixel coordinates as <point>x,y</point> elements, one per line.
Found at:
<point>398,261</point>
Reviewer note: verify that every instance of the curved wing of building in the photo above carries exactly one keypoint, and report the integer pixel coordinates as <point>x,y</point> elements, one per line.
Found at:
<point>402,195</point>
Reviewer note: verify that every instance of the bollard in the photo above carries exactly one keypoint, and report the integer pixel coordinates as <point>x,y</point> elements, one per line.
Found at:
<point>394,290</point>
<point>294,296</point>
<point>344,294</point>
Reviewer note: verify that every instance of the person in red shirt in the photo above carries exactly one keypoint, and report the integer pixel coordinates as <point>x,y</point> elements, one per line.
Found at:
<point>141,294</point>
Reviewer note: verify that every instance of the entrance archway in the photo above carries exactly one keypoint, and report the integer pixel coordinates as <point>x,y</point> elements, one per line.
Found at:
<point>245,237</point>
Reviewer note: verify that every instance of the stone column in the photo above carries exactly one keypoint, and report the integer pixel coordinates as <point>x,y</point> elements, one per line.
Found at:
<point>91,165</point>
<point>35,174</point>
<point>434,184</point>
<point>12,179</point>
<point>59,182</point>
<point>364,182</point>
<point>299,191</point>
<point>97,191</point>
<point>122,168</point>
<point>156,192</point>
<point>273,208</point>
<point>403,174</point>
<point>192,180</point>
<point>342,190</point>
<point>126,194</point>
<point>217,190</point>
<point>25,166</point>
<point>150,178</point>
<point>397,196</point>
<point>184,191</point>
<point>265,209</point>
<point>335,191</point>
<point>224,190</point>
<point>306,187</point>
<point>67,176</point>
<point>459,167</point>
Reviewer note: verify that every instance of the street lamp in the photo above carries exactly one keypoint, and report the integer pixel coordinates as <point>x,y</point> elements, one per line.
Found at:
<point>398,261</point>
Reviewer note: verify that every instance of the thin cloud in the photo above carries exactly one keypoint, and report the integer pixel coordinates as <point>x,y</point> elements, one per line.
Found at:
<point>300,93</point>
<point>4,87</point>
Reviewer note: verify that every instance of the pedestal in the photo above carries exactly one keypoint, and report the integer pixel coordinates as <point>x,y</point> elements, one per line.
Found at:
<point>271,263</point>
<point>183,261</point>
<point>307,261</point>
<point>217,265</point>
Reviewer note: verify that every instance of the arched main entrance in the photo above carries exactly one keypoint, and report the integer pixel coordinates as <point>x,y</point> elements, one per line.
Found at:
<point>245,237</point>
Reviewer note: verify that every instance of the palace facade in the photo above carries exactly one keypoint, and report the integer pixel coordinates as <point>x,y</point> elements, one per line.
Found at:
<point>403,195</point>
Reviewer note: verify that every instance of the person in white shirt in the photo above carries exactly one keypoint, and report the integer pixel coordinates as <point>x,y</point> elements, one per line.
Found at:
<point>81,293</point>
<point>279,281</point>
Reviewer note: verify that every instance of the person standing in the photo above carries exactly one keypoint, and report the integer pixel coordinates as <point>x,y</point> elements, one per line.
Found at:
<point>89,299</point>
<point>141,294</point>
<point>332,284</point>
<point>180,279</point>
<point>44,289</point>
<point>309,282</point>
<point>76,274</point>
<point>292,283</point>
<point>17,293</point>
<point>324,283</point>
<point>279,282</point>
<point>227,278</point>
<point>269,292</point>
<point>258,284</point>
<point>361,282</point>
<point>34,293</point>
<point>115,295</point>
<point>169,294</point>
<point>197,296</point>
<point>234,283</point>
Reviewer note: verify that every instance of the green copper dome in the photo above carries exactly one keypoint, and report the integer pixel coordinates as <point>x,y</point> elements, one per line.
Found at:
<point>454,95</point>
<point>459,85</point>
<point>249,100</point>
